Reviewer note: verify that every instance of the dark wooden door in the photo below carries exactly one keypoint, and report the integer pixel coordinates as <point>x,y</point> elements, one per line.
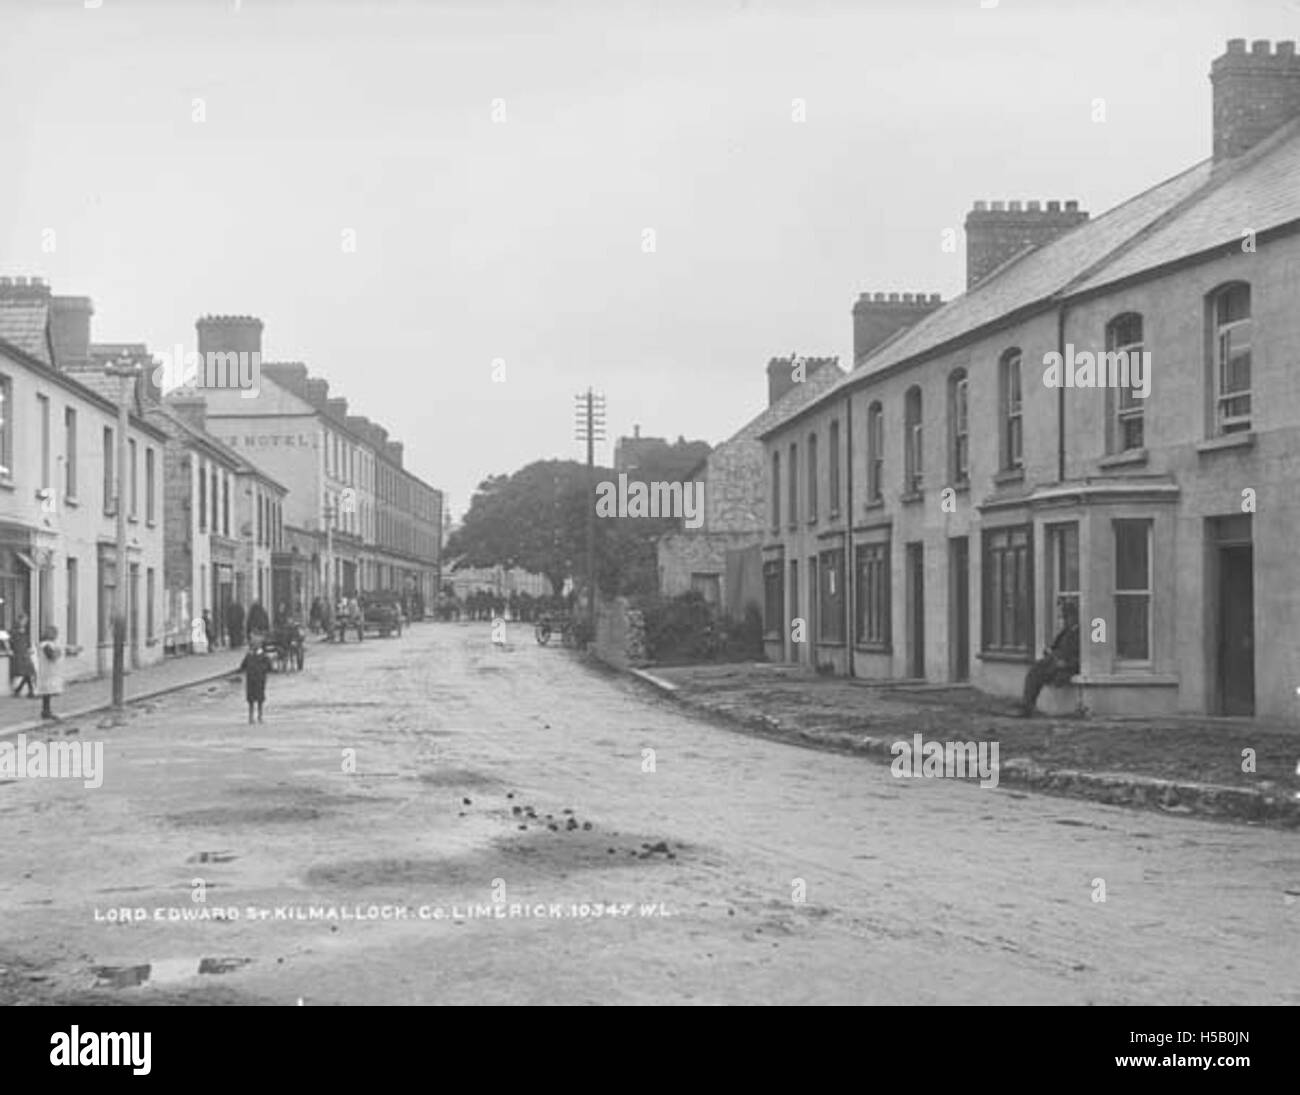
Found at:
<point>916,613</point>
<point>1237,630</point>
<point>959,547</point>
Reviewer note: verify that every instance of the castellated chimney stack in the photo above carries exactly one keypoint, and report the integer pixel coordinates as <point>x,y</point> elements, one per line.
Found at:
<point>997,231</point>
<point>877,317</point>
<point>1255,93</point>
<point>229,334</point>
<point>780,373</point>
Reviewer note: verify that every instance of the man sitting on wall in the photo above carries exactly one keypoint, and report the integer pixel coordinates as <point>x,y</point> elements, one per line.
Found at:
<point>1059,663</point>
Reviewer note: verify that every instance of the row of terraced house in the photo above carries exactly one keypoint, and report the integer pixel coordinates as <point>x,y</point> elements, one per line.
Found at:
<point>276,495</point>
<point>928,512</point>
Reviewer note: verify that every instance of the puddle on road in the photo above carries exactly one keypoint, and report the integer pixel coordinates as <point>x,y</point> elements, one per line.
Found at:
<point>164,971</point>
<point>211,857</point>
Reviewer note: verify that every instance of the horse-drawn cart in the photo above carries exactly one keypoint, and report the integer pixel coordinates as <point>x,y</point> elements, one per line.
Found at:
<point>286,647</point>
<point>552,623</point>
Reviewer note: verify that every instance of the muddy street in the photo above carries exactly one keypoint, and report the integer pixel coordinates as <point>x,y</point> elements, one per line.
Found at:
<point>434,819</point>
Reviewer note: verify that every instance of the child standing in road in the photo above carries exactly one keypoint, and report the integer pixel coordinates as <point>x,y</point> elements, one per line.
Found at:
<point>256,667</point>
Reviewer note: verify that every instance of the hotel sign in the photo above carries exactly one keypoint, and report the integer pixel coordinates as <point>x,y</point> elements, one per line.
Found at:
<point>272,441</point>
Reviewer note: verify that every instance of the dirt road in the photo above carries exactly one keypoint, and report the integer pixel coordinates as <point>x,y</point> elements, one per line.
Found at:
<point>423,819</point>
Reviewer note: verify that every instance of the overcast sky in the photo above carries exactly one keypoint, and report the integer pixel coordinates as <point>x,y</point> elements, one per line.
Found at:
<point>524,239</point>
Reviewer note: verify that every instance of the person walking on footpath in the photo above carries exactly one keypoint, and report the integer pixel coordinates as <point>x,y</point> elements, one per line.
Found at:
<point>1059,663</point>
<point>209,630</point>
<point>256,667</point>
<point>21,666</point>
<point>49,668</point>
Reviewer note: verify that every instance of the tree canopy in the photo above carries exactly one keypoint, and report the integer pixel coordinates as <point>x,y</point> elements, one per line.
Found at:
<point>537,519</point>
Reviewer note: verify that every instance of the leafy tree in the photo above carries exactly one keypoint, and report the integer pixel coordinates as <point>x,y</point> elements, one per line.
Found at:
<point>533,519</point>
<point>537,519</point>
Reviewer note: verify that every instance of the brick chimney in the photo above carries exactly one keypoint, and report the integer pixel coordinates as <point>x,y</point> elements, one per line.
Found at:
<point>316,391</point>
<point>25,290</point>
<point>291,374</point>
<point>780,373</point>
<point>1254,94</point>
<point>192,408</point>
<point>337,408</point>
<point>70,331</point>
<point>229,334</point>
<point>877,317</point>
<point>395,449</point>
<point>995,231</point>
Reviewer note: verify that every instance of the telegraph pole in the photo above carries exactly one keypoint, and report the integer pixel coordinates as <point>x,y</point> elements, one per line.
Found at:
<point>126,369</point>
<point>589,426</point>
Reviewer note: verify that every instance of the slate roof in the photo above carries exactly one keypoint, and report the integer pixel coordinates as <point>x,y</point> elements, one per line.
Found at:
<point>23,323</point>
<point>1260,191</point>
<point>178,426</point>
<point>1204,208</point>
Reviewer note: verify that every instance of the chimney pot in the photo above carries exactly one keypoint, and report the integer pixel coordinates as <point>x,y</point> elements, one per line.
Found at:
<point>1286,49</point>
<point>1013,207</point>
<point>879,298</point>
<point>1072,207</point>
<point>981,207</point>
<point>996,207</point>
<point>1053,207</point>
<point>1236,45</point>
<point>1261,47</point>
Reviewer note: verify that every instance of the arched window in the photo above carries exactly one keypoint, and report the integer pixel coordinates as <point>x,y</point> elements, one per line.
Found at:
<point>958,428</point>
<point>875,452</point>
<point>1231,327</point>
<point>1125,428</point>
<point>913,464</point>
<point>1012,426</point>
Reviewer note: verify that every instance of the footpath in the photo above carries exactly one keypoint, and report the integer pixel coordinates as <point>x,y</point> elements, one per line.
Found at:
<point>90,697</point>
<point>1240,770</point>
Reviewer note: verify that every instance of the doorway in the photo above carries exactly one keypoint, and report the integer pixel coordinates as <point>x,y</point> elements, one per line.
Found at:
<point>916,611</point>
<point>1236,633</point>
<point>133,613</point>
<point>794,610</point>
<point>959,609</point>
<point>814,596</point>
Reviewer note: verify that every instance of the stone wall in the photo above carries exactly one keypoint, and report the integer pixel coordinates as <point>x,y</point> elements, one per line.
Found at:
<point>620,634</point>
